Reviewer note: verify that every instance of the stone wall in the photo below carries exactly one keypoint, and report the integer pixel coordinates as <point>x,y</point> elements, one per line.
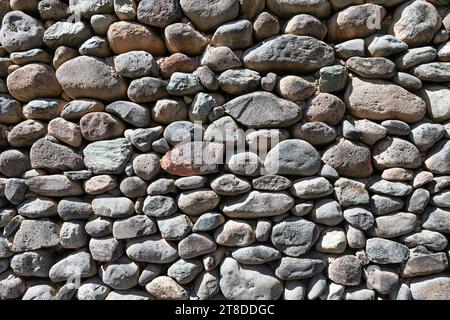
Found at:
<point>226,149</point>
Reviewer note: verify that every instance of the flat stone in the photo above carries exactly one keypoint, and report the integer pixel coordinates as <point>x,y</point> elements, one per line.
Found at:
<point>257,205</point>
<point>384,251</point>
<point>113,207</point>
<point>255,255</point>
<point>271,110</point>
<point>301,54</point>
<point>107,157</point>
<point>63,33</point>
<point>152,249</point>
<point>434,287</point>
<point>36,234</point>
<point>206,15</point>
<point>195,158</point>
<point>311,188</point>
<point>434,72</point>
<point>196,202</point>
<point>299,268</point>
<point>229,185</point>
<point>372,68</point>
<point>390,188</point>
<point>381,100</point>
<point>54,186</point>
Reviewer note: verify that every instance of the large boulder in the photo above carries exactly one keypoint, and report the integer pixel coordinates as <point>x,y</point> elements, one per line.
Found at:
<point>89,77</point>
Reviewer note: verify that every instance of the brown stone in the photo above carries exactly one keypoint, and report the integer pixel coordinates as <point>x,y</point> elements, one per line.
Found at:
<point>129,36</point>
<point>97,126</point>
<point>178,62</point>
<point>33,81</point>
<point>193,158</point>
<point>65,131</point>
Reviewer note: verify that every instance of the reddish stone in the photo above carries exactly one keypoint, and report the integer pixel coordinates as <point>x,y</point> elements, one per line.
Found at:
<point>193,158</point>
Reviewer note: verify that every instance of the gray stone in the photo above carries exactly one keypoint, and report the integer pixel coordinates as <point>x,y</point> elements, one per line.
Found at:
<point>106,249</point>
<point>248,282</point>
<point>208,222</point>
<point>311,188</point>
<point>350,48</point>
<point>350,192</point>
<point>112,207</point>
<point>36,234</point>
<point>293,157</point>
<point>68,34</point>
<point>229,185</point>
<point>434,72</point>
<point>195,245</point>
<point>415,23</point>
<point>385,45</point>
<point>435,287</point>
<point>121,274</point>
<point>151,249</point>
<point>32,263</point>
<point>147,89</point>
<point>107,157</point>
<point>286,8</point>
<point>299,268</point>
<point>256,254</point>
<point>414,57</point>
<point>133,227</point>
<point>301,54</point>
<point>37,207</point>
<point>384,251</point>
<point>390,188</point>
<point>294,236</point>
<point>394,225</point>
<point>436,98</point>
<point>436,219</point>
<point>74,209</point>
<point>263,110</point>
<point>234,35</point>
<point>206,15</point>
<point>327,212</point>
<point>430,239</point>
<point>20,32</point>
<point>239,81</point>
<point>424,263</point>
<point>258,205</point>
<point>185,271</point>
<point>182,84</point>
<point>345,270</point>
<point>11,286</point>
<point>437,161</point>
<point>359,218</point>
<point>381,204</point>
<point>333,78</point>
<point>384,280</point>
<point>372,68</point>
<point>175,227</point>
<point>79,263</point>
<point>132,113</point>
